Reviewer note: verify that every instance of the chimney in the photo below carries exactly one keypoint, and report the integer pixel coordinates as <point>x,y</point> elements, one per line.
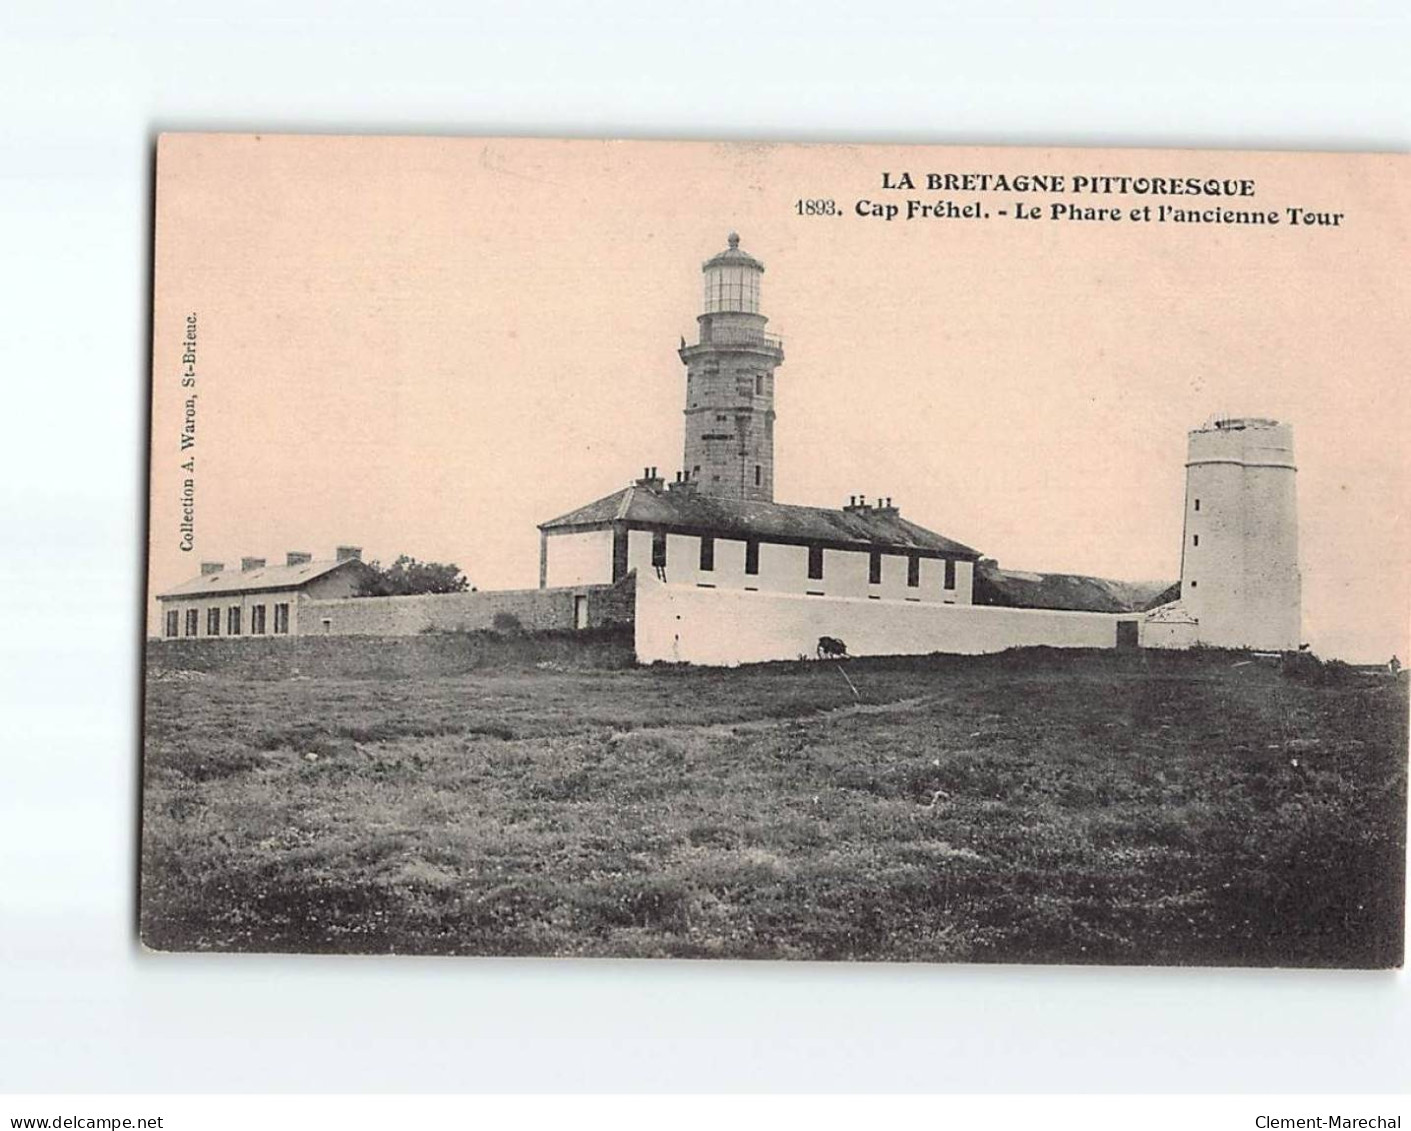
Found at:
<point>211,567</point>
<point>884,506</point>
<point>650,479</point>
<point>248,564</point>
<point>297,557</point>
<point>349,553</point>
<point>857,504</point>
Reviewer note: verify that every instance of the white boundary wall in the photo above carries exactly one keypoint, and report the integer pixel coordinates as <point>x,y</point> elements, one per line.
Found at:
<point>723,627</point>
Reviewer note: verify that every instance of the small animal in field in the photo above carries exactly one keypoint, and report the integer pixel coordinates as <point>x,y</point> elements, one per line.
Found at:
<point>831,646</point>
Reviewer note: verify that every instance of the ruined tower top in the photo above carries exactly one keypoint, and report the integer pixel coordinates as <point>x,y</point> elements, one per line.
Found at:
<point>1240,575</point>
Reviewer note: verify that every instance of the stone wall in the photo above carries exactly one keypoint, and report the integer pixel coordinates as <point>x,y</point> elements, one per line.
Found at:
<point>613,606</point>
<point>427,656</point>
<point>506,610</point>
<point>729,415</point>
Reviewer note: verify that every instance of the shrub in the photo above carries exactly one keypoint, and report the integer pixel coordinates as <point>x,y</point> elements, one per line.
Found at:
<point>1303,667</point>
<point>406,576</point>
<point>1337,672</point>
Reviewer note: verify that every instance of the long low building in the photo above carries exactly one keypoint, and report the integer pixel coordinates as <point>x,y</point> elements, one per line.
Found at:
<point>683,536</point>
<point>305,597</point>
<point>258,599</point>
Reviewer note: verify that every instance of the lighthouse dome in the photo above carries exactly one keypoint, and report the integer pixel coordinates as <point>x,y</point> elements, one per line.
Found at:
<point>732,280</point>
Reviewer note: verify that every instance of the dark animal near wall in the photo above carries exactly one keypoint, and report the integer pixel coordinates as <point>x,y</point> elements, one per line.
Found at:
<point>832,646</point>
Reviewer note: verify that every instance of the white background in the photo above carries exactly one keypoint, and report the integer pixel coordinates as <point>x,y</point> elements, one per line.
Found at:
<point>83,89</point>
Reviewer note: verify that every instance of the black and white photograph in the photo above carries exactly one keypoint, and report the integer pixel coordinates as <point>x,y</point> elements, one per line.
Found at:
<point>871,554</point>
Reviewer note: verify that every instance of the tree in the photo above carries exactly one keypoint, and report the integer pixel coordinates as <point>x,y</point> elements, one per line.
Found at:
<point>407,576</point>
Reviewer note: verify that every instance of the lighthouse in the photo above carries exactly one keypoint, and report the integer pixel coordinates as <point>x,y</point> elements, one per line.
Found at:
<point>729,432</point>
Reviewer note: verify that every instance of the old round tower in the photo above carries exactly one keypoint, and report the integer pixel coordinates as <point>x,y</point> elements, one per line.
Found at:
<point>1239,568</point>
<point>729,449</point>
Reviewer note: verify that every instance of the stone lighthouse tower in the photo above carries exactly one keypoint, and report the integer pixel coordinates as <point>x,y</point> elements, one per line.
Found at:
<point>729,450</point>
<point>1239,568</point>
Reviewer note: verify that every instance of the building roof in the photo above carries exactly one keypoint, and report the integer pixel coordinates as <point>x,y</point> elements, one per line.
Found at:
<point>733,255</point>
<point>688,511</point>
<point>1068,591</point>
<point>256,580</point>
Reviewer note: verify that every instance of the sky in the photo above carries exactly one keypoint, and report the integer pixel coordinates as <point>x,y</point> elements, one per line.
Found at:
<point>428,346</point>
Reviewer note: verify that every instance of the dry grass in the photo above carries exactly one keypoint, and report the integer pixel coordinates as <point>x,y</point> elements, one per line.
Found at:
<point>1033,806</point>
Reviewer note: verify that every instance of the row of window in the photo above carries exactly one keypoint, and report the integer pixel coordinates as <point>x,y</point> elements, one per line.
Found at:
<point>1195,541</point>
<point>815,561</point>
<point>233,617</point>
<point>1195,538</point>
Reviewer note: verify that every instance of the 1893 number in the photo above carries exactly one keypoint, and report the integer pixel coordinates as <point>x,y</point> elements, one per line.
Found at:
<point>815,208</point>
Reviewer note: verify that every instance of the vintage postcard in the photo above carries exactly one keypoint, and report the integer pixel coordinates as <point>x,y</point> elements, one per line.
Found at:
<point>853,552</point>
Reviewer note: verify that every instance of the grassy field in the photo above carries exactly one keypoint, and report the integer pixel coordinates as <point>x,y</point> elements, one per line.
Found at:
<point>1033,806</point>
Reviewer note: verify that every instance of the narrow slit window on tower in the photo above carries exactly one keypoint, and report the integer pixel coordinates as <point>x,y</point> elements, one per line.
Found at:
<point>1197,504</point>
<point>759,384</point>
<point>752,557</point>
<point>659,549</point>
<point>874,568</point>
<point>707,552</point>
<point>815,563</point>
<point>758,475</point>
<point>913,571</point>
<point>1195,539</point>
